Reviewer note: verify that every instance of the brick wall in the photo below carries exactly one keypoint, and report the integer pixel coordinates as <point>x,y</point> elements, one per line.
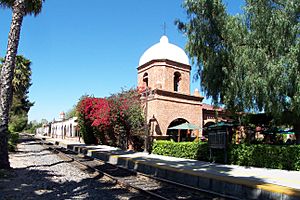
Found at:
<point>165,105</point>
<point>161,75</point>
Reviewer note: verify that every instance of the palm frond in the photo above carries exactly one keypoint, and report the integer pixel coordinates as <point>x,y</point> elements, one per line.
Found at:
<point>33,7</point>
<point>7,3</point>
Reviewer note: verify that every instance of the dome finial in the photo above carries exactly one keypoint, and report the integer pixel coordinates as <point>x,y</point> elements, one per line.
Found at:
<point>164,39</point>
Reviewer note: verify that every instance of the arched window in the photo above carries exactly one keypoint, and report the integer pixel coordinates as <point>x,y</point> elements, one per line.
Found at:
<point>177,77</point>
<point>65,130</point>
<point>145,79</point>
<point>71,130</point>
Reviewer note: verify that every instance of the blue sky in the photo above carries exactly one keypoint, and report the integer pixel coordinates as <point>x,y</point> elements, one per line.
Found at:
<point>92,48</point>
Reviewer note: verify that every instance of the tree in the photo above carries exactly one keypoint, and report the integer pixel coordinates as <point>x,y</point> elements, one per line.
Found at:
<point>126,116</point>
<point>249,61</point>
<point>71,112</point>
<point>113,120</point>
<point>20,8</point>
<point>84,109</point>
<point>33,125</point>
<point>20,104</point>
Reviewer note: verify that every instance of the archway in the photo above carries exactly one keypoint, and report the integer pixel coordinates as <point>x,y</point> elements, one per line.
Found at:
<point>62,132</point>
<point>65,131</point>
<point>173,134</point>
<point>71,130</point>
<point>177,78</point>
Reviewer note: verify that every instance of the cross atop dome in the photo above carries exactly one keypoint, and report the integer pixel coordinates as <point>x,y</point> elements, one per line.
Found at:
<point>165,28</point>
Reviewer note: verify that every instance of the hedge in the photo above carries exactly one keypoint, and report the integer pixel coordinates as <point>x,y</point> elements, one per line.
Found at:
<point>259,155</point>
<point>268,156</point>
<point>190,150</point>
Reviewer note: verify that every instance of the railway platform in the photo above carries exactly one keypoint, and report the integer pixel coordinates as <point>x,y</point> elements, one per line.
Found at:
<point>238,181</point>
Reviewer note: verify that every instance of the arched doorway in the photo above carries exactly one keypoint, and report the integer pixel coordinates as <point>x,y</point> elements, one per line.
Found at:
<point>71,130</point>
<point>65,131</point>
<point>173,134</point>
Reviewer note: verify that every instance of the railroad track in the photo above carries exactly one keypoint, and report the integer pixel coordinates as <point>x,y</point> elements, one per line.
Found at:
<point>152,187</point>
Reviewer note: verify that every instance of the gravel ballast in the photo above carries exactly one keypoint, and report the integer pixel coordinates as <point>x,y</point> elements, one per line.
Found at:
<point>40,174</point>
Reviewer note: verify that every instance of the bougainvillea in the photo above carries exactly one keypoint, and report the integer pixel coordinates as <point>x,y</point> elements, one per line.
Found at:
<point>113,120</point>
<point>126,116</point>
<point>100,113</point>
<point>84,107</point>
<point>95,110</point>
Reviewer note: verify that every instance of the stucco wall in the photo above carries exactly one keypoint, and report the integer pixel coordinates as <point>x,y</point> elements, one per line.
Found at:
<point>65,128</point>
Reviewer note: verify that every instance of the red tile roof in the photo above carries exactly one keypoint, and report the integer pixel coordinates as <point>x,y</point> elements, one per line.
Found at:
<point>211,107</point>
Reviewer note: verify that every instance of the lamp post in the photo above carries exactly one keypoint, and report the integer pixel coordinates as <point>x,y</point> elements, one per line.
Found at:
<point>145,96</point>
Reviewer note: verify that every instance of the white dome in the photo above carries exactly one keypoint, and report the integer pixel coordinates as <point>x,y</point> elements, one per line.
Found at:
<point>164,50</point>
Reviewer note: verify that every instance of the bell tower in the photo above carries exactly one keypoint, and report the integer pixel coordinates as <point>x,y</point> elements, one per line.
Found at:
<point>164,71</point>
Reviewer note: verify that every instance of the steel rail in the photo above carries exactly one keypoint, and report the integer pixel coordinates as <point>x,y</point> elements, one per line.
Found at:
<point>119,181</point>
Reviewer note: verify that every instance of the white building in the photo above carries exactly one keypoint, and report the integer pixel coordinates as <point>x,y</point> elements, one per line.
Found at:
<point>64,129</point>
<point>61,128</point>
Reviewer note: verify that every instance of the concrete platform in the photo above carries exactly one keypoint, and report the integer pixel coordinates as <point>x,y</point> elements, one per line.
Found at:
<point>237,181</point>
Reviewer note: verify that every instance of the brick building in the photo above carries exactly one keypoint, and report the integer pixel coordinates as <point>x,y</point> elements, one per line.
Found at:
<point>164,72</point>
<point>210,113</point>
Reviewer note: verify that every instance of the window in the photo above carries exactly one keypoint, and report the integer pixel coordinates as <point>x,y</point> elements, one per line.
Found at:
<point>177,77</point>
<point>145,79</point>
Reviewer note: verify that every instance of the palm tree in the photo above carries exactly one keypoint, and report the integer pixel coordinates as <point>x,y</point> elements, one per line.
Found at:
<point>21,84</point>
<point>22,76</point>
<point>20,9</point>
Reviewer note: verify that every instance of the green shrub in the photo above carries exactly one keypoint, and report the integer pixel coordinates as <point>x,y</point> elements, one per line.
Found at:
<point>12,141</point>
<point>257,155</point>
<point>269,156</point>
<point>87,132</point>
<point>191,150</point>
<point>17,123</point>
